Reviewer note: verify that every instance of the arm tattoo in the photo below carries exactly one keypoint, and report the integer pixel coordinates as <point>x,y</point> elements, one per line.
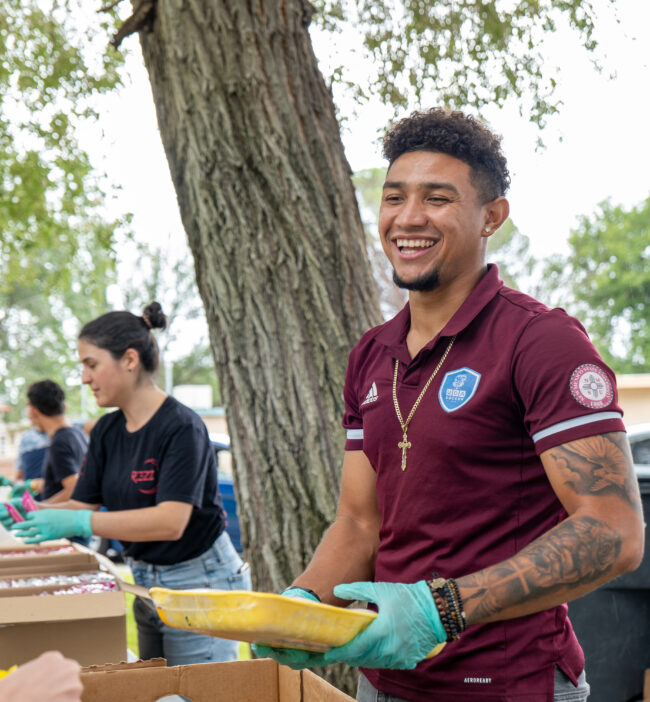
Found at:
<point>599,465</point>
<point>577,551</point>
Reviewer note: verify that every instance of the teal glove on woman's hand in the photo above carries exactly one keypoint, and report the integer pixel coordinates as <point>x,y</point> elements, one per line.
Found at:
<point>295,658</point>
<point>49,524</point>
<point>5,517</point>
<point>19,488</point>
<point>407,626</point>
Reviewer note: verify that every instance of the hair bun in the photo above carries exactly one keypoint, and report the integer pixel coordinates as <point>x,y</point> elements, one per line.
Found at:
<point>154,317</point>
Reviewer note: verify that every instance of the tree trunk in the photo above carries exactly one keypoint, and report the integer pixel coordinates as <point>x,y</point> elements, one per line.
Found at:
<point>266,200</point>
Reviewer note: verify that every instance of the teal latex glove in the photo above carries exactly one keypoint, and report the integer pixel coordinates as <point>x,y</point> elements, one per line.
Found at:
<point>293,657</point>
<point>299,593</point>
<point>5,482</point>
<point>5,517</point>
<point>19,488</point>
<point>407,626</point>
<point>48,524</point>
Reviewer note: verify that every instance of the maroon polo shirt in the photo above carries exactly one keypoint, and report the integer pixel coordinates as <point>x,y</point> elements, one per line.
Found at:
<point>519,379</point>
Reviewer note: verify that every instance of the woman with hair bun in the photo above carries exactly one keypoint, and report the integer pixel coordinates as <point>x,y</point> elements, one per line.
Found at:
<point>151,465</point>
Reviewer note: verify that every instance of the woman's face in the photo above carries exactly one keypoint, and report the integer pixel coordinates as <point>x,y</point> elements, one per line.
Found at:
<point>111,381</point>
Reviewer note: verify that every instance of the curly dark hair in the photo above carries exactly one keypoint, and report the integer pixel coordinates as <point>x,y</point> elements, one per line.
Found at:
<point>454,133</point>
<point>118,331</point>
<point>47,397</point>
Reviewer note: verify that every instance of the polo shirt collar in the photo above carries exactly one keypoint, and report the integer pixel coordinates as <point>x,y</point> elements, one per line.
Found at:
<point>393,333</point>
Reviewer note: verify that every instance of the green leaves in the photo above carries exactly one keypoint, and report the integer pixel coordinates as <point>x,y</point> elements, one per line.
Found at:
<point>461,53</point>
<point>56,255</point>
<point>608,273</point>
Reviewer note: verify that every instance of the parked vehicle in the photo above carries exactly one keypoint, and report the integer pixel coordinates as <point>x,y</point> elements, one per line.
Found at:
<point>221,446</point>
<point>639,436</point>
<point>625,599</point>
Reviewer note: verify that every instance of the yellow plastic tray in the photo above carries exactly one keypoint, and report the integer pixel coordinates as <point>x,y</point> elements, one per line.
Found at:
<point>262,617</point>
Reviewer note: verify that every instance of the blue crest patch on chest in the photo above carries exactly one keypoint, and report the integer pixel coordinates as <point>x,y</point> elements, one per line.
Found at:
<point>457,388</point>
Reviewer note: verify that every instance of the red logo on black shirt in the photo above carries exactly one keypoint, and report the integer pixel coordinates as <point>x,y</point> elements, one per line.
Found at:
<point>147,478</point>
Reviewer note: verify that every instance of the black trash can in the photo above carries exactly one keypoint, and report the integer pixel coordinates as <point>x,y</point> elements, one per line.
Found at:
<point>613,626</point>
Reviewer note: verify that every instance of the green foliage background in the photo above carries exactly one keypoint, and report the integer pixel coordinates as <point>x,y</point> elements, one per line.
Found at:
<point>57,251</point>
<point>59,248</point>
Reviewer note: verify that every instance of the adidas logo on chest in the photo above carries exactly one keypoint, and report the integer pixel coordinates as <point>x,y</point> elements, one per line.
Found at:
<point>371,396</point>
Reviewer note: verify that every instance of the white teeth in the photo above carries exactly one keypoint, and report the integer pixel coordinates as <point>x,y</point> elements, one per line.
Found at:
<point>414,244</point>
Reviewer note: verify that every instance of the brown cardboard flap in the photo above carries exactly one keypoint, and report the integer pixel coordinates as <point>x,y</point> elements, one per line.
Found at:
<point>289,684</point>
<point>316,689</point>
<point>88,641</point>
<point>33,608</point>
<point>17,545</point>
<point>206,682</point>
<point>133,665</point>
<point>20,564</point>
<point>260,680</point>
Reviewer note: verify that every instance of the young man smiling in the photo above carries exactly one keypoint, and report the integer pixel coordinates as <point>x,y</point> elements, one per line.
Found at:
<point>488,480</point>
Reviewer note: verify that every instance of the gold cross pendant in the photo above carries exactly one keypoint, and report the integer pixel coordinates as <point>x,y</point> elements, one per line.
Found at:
<point>404,445</point>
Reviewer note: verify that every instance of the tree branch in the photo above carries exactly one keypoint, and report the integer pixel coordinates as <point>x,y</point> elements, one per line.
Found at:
<point>142,13</point>
<point>108,8</point>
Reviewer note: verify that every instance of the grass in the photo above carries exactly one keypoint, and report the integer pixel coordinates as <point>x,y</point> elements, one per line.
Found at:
<point>132,629</point>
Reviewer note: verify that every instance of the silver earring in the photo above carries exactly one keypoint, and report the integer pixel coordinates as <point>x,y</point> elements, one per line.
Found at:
<point>487,230</point>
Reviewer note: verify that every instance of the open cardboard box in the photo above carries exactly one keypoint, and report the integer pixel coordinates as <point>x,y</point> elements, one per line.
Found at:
<point>260,680</point>
<point>90,628</point>
<point>47,557</point>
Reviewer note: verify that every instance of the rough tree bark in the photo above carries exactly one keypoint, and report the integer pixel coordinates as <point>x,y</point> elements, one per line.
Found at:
<point>266,199</point>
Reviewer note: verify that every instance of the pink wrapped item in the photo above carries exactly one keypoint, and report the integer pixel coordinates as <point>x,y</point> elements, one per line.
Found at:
<point>28,502</point>
<point>13,512</point>
<point>36,551</point>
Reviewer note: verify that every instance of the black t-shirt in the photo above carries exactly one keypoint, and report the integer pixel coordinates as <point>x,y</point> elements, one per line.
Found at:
<point>169,459</point>
<point>64,457</point>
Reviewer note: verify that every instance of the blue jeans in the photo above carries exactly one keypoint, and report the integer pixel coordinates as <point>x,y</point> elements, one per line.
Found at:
<point>219,568</point>
<point>565,691</point>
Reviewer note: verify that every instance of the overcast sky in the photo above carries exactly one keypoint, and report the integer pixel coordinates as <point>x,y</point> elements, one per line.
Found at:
<point>596,148</point>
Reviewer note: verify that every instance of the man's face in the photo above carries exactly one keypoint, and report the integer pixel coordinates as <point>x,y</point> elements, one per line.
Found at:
<point>34,417</point>
<point>431,221</point>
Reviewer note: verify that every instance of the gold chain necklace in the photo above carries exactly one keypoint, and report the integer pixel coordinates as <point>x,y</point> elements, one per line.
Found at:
<point>405,444</point>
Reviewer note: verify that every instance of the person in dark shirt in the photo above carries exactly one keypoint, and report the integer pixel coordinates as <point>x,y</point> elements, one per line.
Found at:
<point>32,450</point>
<point>68,444</point>
<point>151,465</point>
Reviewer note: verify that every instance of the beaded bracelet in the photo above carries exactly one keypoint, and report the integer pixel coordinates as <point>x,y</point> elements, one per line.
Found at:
<point>449,604</point>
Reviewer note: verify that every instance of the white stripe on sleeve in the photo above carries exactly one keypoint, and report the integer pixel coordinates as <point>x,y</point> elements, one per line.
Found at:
<point>576,422</point>
<point>354,434</point>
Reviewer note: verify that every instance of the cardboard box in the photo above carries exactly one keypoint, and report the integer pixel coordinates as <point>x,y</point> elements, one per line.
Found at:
<point>90,628</point>
<point>48,561</point>
<point>260,680</point>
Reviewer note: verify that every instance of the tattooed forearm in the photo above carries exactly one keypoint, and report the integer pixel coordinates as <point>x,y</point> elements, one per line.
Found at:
<point>598,465</point>
<point>576,552</point>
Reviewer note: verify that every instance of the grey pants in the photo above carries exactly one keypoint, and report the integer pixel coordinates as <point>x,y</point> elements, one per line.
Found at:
<point>564,690</point>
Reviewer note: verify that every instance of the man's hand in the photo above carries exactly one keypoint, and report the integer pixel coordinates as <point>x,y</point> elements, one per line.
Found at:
<point>49,524</point>
<point>406,629</point>
<point>293,657</point>
<point>48,678</point>
<point>5,518</point>
<point>300,593</point>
